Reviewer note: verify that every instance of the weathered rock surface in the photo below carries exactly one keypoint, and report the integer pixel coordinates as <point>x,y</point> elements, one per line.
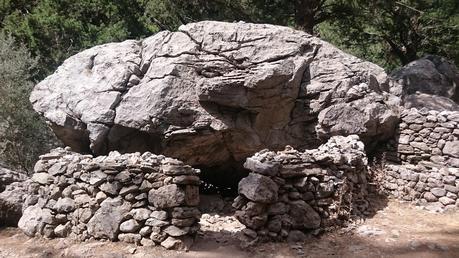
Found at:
<point>214,93</point>
<point>428,82</point>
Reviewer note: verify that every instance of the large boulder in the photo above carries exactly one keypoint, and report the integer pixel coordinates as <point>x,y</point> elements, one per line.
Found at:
<point>214,93</point>
<point>13,190</point>
<point>430,82</point>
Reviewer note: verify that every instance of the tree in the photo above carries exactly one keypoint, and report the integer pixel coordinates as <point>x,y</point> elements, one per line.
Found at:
<point>396,32</point>
<point>23,136</point>
<point>55,29</point>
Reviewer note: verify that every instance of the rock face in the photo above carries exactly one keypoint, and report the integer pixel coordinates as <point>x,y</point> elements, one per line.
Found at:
<point>214,93</point>
<point>306,191</point>
<point>431,75</point>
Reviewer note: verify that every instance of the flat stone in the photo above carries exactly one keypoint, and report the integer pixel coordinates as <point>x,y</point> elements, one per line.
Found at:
<point>42,178</point>
<point>446,201</point>
<point>161,215</point>
<point>176,231</point>
<point>156,222</point>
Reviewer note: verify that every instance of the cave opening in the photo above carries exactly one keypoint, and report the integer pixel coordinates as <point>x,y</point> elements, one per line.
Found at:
<point>221,180</point>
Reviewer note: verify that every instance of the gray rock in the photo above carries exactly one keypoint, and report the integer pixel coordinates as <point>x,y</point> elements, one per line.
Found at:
<point>262,86</point>
<point>141,214</point>
<point>42,178</point>
<point>130,238</point>
<point>129,226</point>
<point>438,192</point>
<point>451,149</point>
<point>57,169</point>
<point>156,222</point>
<point>430,197</point>
<point>446,201</point>
<point>34,219</point>
<point>167,196</point>
<point>176,231</point>
<point>176,244</point>
<point>105,222</point>
<point>111,188</point>
<point>147,242</point>
<point>62,230</point>
<point>258,188</point>
<point>11,202</point>
<point>432,75</point>
<point>303,215</point>
<point>64,205</point>
<point>267,168</point>
<point>161,215</point>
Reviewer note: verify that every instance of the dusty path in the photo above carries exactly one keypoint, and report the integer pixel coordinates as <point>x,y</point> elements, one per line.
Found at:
<point>399,230</point>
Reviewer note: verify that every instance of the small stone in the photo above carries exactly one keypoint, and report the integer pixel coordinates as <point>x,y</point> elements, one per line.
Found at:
<point>110,188</point>
<point>57,169</point>
<point>42,178</point>
<point>64,205</point>
<point>430,197</point>
<point>161,215</point>
<point>141,214</point>
<point>258,188</point>
<point>438,192</point>
<point>296,236</point>
<point>62,230</point>
<point>128,190</point>
<point>130,238</point>
<point>129,226</point>
<point>183,222</point>
<point>451,149</point>
<point>100,197</point>
<point>186,180</point>
<point>156,222</point>
<point>145,231</point>
<point>249,232</point>
<point>171,243</point>
<point>176,231</point>
<point>147,242</point>
<point>446,201</point>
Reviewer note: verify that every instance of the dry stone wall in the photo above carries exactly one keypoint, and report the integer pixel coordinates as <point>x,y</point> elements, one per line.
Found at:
<point>424,160</point>
<point>289,192</point>
<point>137,198</point>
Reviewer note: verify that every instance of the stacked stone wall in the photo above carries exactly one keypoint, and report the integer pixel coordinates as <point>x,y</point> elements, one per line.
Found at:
<point>144,199</point>
<point>289,193</point>
<point>423,163</point>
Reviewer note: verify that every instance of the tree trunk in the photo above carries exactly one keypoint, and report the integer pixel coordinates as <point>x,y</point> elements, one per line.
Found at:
<point>305,11</point>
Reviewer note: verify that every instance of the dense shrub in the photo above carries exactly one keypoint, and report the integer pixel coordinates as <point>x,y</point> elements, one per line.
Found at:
<point>23,135</point>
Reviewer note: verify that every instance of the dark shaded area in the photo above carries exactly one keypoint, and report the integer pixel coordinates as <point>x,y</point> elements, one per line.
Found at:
<point>9,214</point>
<point>222,180</point>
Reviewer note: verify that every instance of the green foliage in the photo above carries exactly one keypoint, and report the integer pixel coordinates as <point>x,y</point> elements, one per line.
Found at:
<point>55,29</point>
<point>396,32</point>
<point>23,136</point>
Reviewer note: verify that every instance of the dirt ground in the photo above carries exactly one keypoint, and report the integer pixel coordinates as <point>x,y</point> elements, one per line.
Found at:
<point>397,230</point>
